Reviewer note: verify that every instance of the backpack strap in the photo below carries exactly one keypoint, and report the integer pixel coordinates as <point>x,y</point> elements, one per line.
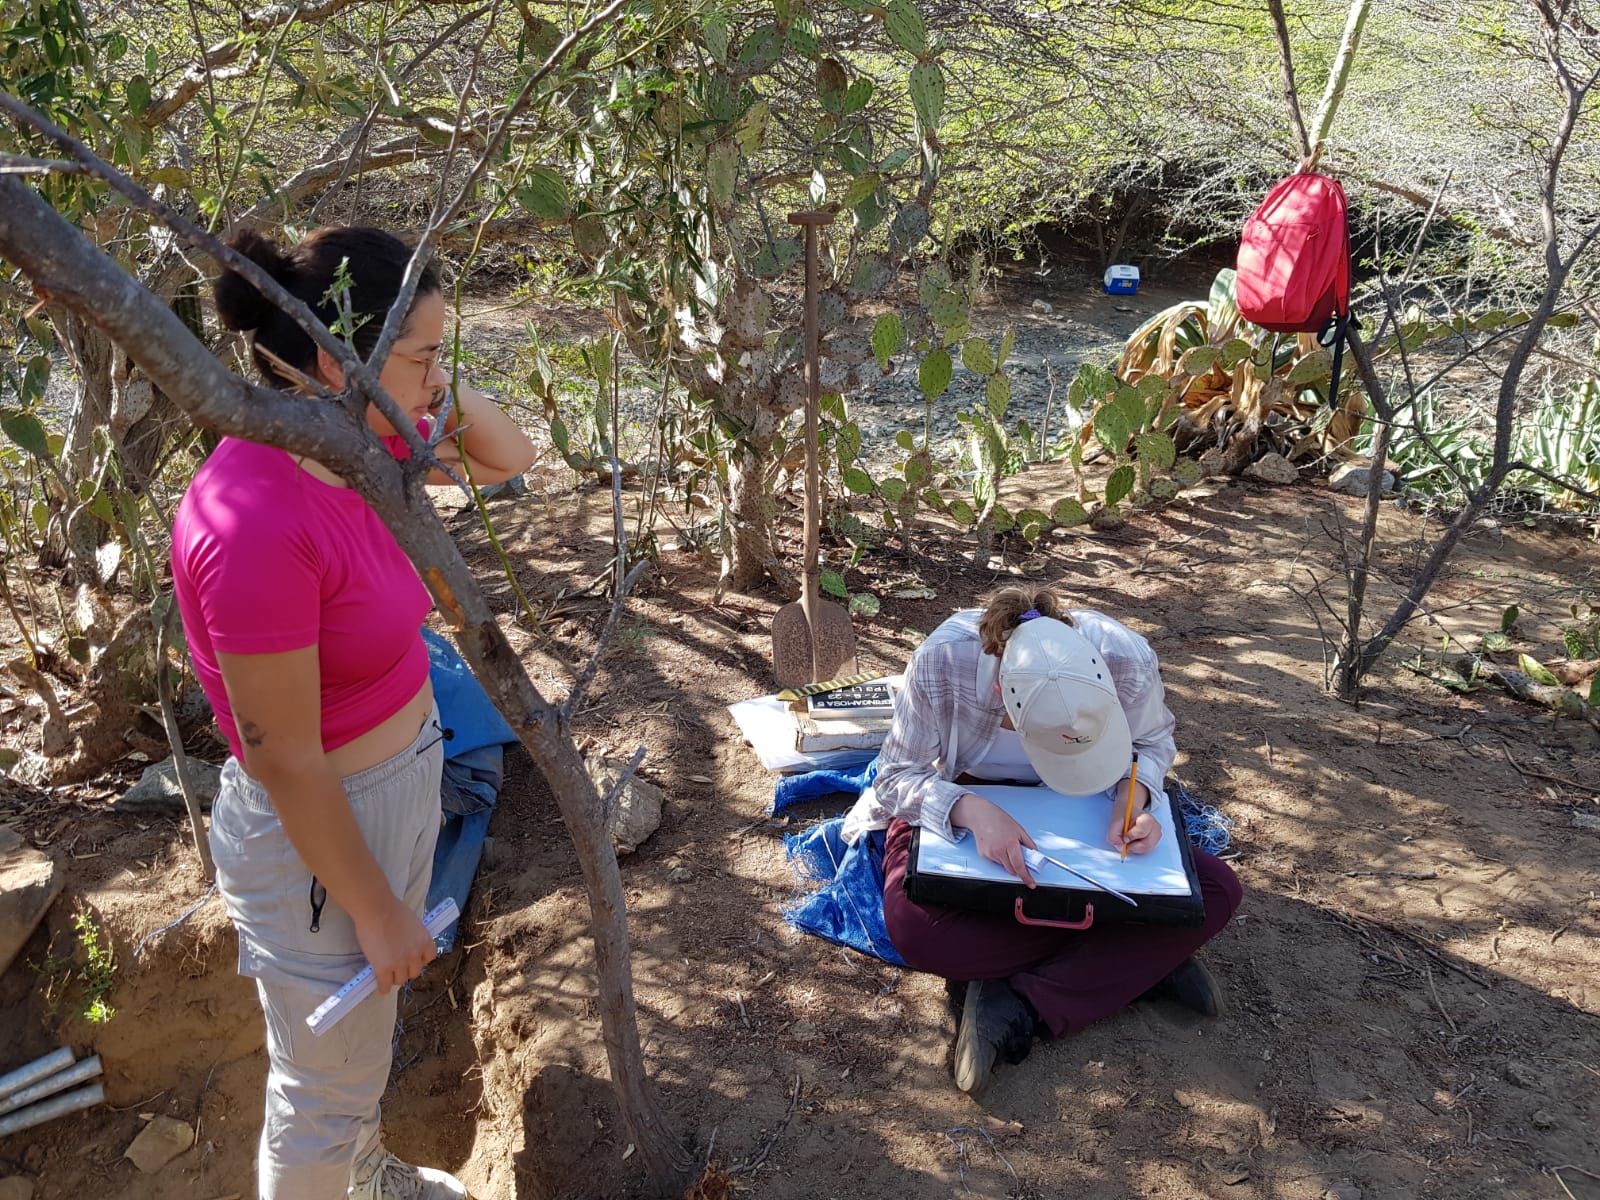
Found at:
<point>1334,332</point>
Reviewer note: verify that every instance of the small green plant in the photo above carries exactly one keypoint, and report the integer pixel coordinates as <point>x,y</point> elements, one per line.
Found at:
<point>1499,642</point>
<point>1443,672</point>
<point>636,635</point>
<point>994,451</point>
<point>1455,462</point>
<point>574,380</point>
<point>1561,437</point>
<point>1581,639</point>
<point>98,967</point>
<point>338,294</point>
<point>1130,422</point>
<point>862,539</point>
<point>860,604</point>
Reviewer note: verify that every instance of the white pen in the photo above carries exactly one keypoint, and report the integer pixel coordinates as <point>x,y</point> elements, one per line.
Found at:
<point>1056,862</point>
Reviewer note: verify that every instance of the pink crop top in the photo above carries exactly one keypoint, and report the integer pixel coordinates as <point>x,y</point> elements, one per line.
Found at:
<point>268,558</point>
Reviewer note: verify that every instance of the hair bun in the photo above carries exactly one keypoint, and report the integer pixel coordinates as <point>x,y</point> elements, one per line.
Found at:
<point>239,304</point>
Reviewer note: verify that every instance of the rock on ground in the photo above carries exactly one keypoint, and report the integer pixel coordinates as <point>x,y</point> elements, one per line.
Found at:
<point>1272,468</point>
<point>29,884</point>
<point>1352,479</point>
<point>158,790</point>
<point>1524,1076</point>
<point>638,809</point>
<point>159,1143</point>
<point>16,1187</point>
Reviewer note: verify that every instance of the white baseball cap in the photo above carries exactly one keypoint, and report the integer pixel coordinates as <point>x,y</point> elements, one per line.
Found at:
<point>1063,705</point>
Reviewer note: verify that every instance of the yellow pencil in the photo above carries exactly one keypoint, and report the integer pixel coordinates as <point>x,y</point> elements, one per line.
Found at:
<point>1127,818</point>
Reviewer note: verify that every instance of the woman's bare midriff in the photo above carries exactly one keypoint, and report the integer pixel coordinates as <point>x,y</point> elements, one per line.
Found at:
<point>384,741</point>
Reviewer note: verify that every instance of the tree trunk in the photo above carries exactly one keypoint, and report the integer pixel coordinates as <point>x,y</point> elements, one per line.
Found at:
<point>547,739</point>
<point>62,264</point>
<point>748,550</point>
<point>114,398</point>
<point>144,418</point>
<point>1347,682</point>
<point>73,533</point>
<point>94,357</point>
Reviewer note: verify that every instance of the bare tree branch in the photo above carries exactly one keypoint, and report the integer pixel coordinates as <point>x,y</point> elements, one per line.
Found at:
<point>219,62</point>
<point>1291,98</point>
<point>1565,485</point>
<point>445,211</point>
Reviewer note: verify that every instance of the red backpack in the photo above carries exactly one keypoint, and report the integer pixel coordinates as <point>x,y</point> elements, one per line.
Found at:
<point>1294,263</point>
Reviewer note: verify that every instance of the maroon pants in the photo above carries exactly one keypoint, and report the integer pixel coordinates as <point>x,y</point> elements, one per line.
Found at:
<point>1071,977</point>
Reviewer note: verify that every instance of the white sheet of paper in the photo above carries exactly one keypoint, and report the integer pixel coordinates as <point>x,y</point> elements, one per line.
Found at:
<point>1073,829</point>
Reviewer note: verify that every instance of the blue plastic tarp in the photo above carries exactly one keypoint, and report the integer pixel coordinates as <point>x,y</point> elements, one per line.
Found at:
<point>474,766</point>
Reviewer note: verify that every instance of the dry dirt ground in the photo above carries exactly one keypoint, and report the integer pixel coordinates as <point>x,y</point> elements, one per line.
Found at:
<point>1412,979</point>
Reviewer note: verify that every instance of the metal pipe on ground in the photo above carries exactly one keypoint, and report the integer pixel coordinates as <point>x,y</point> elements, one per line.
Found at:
<point>56,1060</point>
<point>77,1073</point>
<point>49,1110</point>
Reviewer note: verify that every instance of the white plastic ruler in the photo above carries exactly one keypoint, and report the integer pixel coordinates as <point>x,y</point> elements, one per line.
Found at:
<point>364,983</point>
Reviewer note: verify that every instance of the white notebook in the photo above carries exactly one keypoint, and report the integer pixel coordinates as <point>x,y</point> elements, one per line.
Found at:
<point>1073,829</point>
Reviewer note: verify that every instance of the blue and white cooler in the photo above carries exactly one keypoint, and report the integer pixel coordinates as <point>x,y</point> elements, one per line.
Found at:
<point>1122,280</point>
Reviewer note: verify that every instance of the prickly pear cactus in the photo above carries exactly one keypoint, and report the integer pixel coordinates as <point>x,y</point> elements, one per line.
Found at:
<point>927,93</point>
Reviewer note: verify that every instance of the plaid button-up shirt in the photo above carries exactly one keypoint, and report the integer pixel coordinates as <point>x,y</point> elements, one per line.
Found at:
<point>948,713</point>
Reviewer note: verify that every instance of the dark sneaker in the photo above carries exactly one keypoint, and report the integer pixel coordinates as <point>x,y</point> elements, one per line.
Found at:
<point>1192,986</point>
<point>996,1024</point>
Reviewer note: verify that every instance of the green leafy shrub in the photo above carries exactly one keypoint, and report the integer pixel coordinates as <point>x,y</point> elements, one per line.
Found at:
<point>1456,462</point>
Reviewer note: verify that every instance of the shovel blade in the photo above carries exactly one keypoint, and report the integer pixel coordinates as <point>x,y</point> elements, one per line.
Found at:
<point>803,653</point>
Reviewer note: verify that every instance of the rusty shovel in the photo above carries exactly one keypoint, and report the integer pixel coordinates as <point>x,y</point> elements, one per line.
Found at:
<point>812,640</point>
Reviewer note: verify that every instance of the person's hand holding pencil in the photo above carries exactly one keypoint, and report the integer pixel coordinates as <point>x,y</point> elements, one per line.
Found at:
<point>1133,827</point>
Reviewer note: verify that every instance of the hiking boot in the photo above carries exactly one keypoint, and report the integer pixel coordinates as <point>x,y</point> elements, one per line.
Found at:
<point>1192,986</point>
<point>382,1176</point>
<point>996,1023</point>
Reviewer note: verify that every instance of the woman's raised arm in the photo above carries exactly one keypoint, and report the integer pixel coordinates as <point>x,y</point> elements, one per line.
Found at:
<point>495,446</point>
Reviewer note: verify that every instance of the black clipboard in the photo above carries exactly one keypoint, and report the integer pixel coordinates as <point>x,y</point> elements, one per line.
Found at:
<point>1076,907</point>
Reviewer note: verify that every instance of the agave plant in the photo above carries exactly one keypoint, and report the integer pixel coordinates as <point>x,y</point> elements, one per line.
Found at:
<point>1228,375</point>
<point>1562,438</point>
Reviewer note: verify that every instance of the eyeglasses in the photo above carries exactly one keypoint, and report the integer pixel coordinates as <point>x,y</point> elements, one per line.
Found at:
<point>426,361</point>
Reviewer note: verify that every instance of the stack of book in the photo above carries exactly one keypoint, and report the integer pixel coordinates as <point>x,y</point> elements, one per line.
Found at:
<point>842,714</point>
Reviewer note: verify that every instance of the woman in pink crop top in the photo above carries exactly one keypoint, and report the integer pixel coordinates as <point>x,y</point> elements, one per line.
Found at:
<point>303,617</point>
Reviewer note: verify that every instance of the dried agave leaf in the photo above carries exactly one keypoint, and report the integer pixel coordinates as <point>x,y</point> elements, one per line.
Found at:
<point>1207,411</point>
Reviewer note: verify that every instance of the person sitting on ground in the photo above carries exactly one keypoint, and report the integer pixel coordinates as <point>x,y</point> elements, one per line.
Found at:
<point>972,709</point>
<point>303,618</point>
